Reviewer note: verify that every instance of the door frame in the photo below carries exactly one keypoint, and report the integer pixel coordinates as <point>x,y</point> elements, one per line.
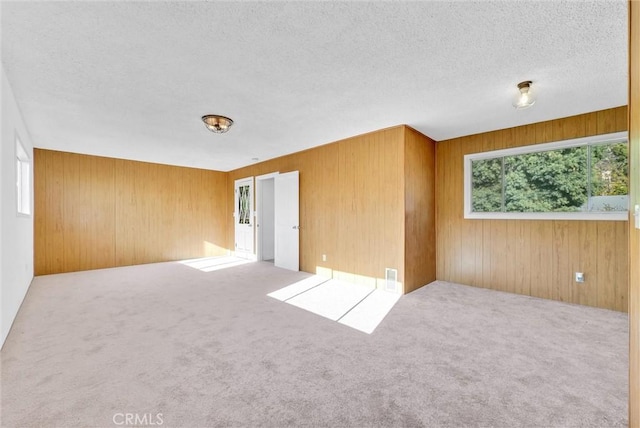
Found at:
<point>258,194</point>
<point>236,183</point>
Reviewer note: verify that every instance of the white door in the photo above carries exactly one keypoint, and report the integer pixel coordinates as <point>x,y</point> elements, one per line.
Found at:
<point>243,217</point>
<point>287,230</point>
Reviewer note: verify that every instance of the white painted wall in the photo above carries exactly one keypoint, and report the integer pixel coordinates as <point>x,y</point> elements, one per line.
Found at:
<point>268,220</point>
<point>16,232</point>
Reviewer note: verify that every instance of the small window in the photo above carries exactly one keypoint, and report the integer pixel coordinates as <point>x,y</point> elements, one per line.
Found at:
<point>580,179</point>
<point>23,179</point>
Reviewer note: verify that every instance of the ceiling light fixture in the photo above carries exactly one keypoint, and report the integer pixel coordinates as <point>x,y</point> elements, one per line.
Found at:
<point>525,98</point>
<point>216,123</point>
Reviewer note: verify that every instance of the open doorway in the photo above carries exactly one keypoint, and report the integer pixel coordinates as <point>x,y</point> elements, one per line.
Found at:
<point>265,210</point>
<point>277,215</point>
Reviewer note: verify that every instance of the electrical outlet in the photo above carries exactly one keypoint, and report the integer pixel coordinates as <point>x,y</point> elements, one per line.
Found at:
<point>324,257</point>
<point>579,277</point>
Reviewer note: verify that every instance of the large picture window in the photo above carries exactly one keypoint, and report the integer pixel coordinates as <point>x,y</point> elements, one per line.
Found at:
<point>584,178</point>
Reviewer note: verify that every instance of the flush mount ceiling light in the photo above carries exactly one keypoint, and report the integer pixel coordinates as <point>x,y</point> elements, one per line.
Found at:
<point>525,97</point>
<point>216,123</point>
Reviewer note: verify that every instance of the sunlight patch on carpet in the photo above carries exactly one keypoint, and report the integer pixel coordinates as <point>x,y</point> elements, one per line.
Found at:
<point>357,306</point>
<point>210,264</point>
<point>371,311</point>
<point>299,287</point>
<point>331,299</point>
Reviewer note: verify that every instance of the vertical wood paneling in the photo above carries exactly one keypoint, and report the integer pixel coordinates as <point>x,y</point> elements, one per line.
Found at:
<point>40,203</point>
<point>347,248</point>
<point>419,215</point>
<point>633,233</point>
<point>101,236</point>
<point>522,271</point>
<point>391,181</point>
<point>73,206</point>
<point>351,204</point>
<point>511,247</point>
<point>132,215</point>
<point>606,265</point>
<point>535,258</point>
<point>456,261</point>
<point>479,256</point>
<point>87,218</point>
<point>498,274</point>
<point>562,249</point>
<point>586,254</point>
<point>542,283</point>
<point>52,213</point>
<point>94,212</point>
<point>487,256</point>
<point>325,238</point>
<point>442,152</point>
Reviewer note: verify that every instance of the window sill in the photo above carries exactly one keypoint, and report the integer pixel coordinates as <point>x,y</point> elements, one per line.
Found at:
<point>599,216</point>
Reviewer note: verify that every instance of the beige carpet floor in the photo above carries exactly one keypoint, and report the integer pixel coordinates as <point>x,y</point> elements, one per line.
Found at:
<point>170,343</point>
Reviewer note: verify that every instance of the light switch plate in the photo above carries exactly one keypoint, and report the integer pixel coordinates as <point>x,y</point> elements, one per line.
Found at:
<point>636,215</point>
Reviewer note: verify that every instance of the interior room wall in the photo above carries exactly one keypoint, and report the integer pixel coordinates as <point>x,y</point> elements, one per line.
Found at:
<point>536,258</point>
<point>16,256</point>
<point>419,210</point>
<point>267,224</point>
<point>93,212</point>
<point>351,205</point>
<point>634,233</point>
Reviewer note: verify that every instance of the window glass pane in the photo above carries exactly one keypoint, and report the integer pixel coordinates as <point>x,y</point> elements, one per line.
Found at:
<point>609,177</point>
<point>23,185</point>
<point>19,184</point>
<point>243,205</point>
<point>487,185</point>
<point>551,181</point>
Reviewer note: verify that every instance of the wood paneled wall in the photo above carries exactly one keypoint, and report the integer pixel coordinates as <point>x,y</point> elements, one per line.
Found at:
<point>367,202</point>
<point>351,204</point>
<point>93,212</point>
<point>634,234</point>
<point>536,258</point>
<point>419,207</point>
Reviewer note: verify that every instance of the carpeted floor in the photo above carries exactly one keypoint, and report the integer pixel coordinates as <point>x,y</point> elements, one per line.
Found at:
<point>207,349</point>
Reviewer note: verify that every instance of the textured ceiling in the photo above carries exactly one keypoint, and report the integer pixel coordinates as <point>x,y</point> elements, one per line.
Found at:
<point>131,79</point>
